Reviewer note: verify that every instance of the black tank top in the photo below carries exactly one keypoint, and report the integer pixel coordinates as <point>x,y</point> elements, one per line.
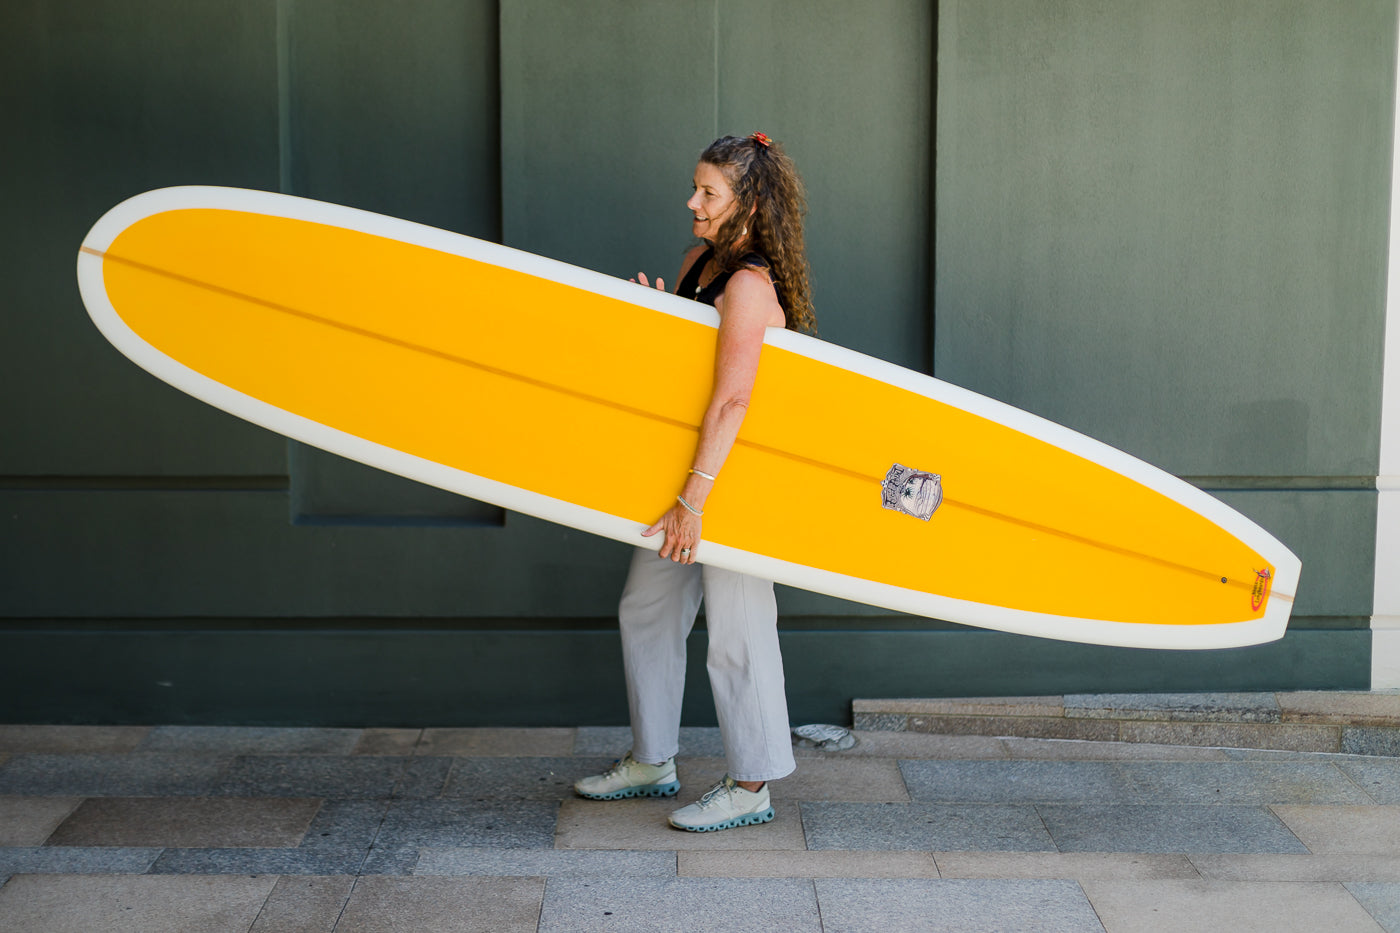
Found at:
<point>690,285</point>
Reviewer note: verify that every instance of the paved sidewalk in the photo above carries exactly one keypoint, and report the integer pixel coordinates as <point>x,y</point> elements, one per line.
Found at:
<point>232,830</point>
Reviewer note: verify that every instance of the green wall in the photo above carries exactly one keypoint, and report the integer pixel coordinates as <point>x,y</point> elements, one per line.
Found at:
<point>1162,223</point>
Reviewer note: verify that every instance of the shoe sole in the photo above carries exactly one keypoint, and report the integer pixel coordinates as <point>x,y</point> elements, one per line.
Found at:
<point>749,819</point>
<point>646,790</point>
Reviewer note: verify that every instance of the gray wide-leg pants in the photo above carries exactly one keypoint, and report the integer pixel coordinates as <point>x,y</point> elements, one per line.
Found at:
<point>657,612</point>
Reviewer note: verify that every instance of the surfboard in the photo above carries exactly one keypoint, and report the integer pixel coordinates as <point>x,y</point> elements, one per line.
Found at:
<point>531,384</point>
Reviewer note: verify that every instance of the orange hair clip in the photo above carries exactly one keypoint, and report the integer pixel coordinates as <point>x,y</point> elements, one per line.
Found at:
<point>762,139</point>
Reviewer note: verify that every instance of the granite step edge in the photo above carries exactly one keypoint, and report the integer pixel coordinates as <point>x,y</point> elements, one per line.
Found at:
<point>1355,723</point>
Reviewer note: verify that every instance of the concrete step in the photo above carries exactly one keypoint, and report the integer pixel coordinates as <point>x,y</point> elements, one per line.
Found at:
<point>1303,721</point>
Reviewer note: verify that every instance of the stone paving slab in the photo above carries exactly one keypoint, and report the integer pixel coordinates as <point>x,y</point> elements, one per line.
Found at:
<point>829,778</point>
<point>1176,707</point>
<point>1018,781</point>
<point>1299,867</point>
<point>966,706</point>
<point>1215,906</point>
<point>390,860</point>
<point>131,904</point>
<point>833,863</point>
<point>511,824</point>
<point>250,740</point>
<point>1275,754</point>
<point>1382,901</point>
<point>253,861</point>
<point>332,776</point>
<point>110,775</point>
<point>870,780</point>
<point>307,904</point>
<point>1167,829</point>
<point>70,740</point>
<point>519,778</point>
<point>1350,708</point>
<point>73,860</point>
<point>699,774</point>
<point>1072,750</point>
<point>1064,865</point>
<point>1285,736</point>
<point>195,822</point>
<point>882,722</point>
<point>345,824</point>
<point>957,906</point>
<point>402,742</point>
<point>1367,830</point>
<point>504,743</point>
<point>614,741</point>
<point>545,863</point>
<point>1378,777</point>
<point>1247,783</point>
<point>911,745</point>
<point>680,905</point>
<point>641,824</point>
<point>1032,727</point>
<point>28,821</point>
<point>459,905</point>
<point>925,826</point>
<point>1371,740</point>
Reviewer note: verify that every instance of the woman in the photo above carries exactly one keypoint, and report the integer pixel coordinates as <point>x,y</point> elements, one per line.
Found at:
<point>751,266</point>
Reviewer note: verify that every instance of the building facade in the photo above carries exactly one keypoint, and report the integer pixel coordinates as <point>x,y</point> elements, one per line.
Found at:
<point>1164,223</point>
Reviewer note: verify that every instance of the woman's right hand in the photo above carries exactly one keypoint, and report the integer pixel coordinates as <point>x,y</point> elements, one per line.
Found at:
<point>642,279</point>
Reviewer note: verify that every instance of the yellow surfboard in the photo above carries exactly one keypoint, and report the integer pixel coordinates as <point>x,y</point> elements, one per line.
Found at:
<point>531,384</point>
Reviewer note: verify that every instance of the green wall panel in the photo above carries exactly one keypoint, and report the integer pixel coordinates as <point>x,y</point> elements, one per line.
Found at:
<point>394,108</point>
<point>105,99</point>
<point>848,88</point>
<point>606,105</point>
<point>420,676</point>
<point>210,553</point>
<point>1164,223</point>
<point>235,554</point>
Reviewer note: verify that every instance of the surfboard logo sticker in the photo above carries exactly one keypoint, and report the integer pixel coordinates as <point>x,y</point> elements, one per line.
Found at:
<point>1260,592</point>
<point>912,491</point>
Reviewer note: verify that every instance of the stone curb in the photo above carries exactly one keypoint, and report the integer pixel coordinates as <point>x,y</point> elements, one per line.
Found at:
<point>1305,721</point>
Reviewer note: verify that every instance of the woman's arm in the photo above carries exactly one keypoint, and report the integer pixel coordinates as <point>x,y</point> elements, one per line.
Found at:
<point>748,307</point>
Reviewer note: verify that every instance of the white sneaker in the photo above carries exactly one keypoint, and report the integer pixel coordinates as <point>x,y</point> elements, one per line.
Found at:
<point>725,805</point>
<point>629,777</point>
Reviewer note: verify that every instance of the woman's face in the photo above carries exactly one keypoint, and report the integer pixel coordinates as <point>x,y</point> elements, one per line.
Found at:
<point>712,203</point>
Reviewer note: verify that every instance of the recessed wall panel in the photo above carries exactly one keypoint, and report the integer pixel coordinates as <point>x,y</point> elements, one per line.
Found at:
<point>106,99</point>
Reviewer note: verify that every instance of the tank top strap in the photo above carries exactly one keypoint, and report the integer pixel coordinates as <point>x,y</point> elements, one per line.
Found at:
<point>690,284</point>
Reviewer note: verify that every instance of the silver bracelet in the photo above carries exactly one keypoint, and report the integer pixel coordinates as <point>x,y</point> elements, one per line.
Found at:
<point>702,474</point>
<point>688,507</point>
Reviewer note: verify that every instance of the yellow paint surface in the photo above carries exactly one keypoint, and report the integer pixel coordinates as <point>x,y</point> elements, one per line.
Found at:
<point>543,386</point>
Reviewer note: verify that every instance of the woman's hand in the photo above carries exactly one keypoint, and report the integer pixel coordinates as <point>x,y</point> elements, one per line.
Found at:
<point>642,278</point>
<point>682,534</point>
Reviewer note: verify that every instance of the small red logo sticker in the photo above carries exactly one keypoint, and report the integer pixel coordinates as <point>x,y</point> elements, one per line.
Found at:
<point>1259,594</point>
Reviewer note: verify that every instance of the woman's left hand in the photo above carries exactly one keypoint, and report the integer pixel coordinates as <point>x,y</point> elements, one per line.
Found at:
<point>682,534</point>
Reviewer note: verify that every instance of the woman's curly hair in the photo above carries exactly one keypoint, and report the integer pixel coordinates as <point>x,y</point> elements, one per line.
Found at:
<point>772,202</point>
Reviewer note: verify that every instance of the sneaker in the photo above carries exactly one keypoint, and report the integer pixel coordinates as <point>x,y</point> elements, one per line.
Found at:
<point>725,805</point>
<point>628,777</point>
